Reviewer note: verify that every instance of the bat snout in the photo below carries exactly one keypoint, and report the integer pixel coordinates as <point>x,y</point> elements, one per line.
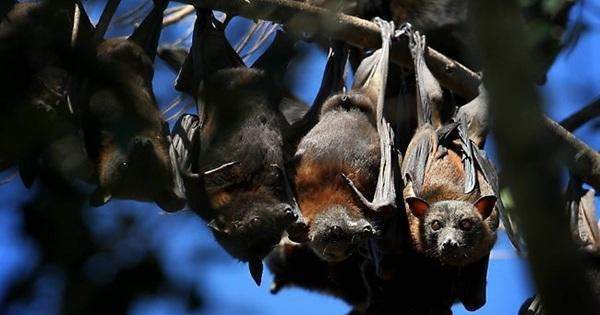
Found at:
<point>336,233</point>
<point>289,214</point>
<point>141,145</point>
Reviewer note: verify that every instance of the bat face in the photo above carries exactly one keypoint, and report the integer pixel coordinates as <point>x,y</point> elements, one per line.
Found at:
<point>251,225</point>
<point>139,168</point>
<point>133,153</point>
<point>454,232</point>
<point>335,234</point>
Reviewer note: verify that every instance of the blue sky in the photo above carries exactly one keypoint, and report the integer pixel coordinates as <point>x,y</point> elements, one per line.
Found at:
<point>184,244</point>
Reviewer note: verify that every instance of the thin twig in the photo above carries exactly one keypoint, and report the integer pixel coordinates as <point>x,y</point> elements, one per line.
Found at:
<point>177,15</point>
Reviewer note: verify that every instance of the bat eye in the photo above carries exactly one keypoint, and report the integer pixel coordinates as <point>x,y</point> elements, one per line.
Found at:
<point>466,225</point>
<point>123,165</point>
<point>436,225</point>
<point>255,222</point>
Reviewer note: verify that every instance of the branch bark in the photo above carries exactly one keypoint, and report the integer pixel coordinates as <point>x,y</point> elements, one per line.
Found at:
<point>530,167</point>
<point>303,18</point>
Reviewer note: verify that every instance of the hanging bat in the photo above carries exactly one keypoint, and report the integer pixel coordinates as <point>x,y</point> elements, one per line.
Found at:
<point>296,265</point>
<point>336,161</point>
<point>36,116</point>
<point>580,204</point>
<point>232,155</point>
<point>451,189</point>
<point>125,133</point>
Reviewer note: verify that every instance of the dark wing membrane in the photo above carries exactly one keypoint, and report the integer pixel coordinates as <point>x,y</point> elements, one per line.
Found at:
<point>185,142</point>
<point>292,108</point>
<point>491,176</point>
<point>185,146</point>
<point>105,18</point>
<point>476,114</point>
<point>147,34</point>
<point>421,149</point>
<point>467,156</point>
<point>331,84</point>
<point>429,92</point>
<point>275,60</point>
<point>472,283</point>
<point>210,52</point>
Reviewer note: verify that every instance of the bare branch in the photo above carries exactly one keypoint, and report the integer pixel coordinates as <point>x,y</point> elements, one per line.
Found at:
<point>581,117</point>
<point>581,160</point>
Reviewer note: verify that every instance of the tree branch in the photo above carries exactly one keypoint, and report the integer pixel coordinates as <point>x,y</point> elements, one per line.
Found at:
<point>306,19</point>
<point>581,160</point>
<point>581,117</point>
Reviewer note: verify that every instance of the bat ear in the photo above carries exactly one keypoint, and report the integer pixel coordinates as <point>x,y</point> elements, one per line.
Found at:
<point>217,227</point>
<point>147,34</point>
<point>256,270</point>
<point>100,197</point>
<point>417,206</point>
<point>485,205</point>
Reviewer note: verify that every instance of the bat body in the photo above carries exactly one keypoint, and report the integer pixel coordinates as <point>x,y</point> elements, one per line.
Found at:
<point>125,133</point>
<point>343,145</point>
<point>450,204</point>
<point>296,265</point>
<point>344,141</point>
<point>233,165</point>
<point>36,116</point>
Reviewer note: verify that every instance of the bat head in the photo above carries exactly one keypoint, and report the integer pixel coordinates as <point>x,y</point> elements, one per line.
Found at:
<point>351,102</point>
<point>138,168</point>
<point>454,231</point>
<point>250,226</point>
<point>335,233</point>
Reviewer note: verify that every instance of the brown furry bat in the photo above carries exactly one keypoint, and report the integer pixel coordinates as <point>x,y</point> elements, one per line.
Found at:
<point>338,159</point>
<point>125,133</point>
<point>451,206</point>
<point>232,155</point>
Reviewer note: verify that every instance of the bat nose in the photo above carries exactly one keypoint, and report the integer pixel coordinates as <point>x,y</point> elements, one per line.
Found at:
<point>336,233</point>
<point>450,244</point>
<point>289,214</point>
<point>368,231</point>
<point>142,143</point>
